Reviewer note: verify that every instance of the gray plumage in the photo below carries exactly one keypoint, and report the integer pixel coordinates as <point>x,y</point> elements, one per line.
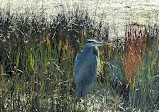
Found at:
<point>85,70</point>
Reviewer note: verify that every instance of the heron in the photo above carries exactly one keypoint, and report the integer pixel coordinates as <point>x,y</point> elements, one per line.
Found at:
<point>85,70</point>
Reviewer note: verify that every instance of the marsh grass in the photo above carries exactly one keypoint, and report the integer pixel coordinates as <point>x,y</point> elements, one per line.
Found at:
<point>37,60</point>
<point>144,92</point>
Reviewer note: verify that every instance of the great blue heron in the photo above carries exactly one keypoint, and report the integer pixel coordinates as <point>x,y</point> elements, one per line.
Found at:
<point>85,70</point>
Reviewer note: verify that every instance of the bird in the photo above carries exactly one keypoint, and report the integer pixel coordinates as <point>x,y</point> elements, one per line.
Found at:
<point>85,70</point>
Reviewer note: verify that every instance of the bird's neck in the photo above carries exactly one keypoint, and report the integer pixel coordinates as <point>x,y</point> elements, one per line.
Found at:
<point>95,51</point>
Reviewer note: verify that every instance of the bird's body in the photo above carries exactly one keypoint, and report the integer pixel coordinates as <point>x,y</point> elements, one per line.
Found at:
<point>85,70</point>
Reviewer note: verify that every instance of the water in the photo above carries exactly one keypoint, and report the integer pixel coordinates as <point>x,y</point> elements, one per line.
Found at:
<point>116,13</point>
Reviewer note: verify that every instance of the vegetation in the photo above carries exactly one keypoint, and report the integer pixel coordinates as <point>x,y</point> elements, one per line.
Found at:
<point>37,58</point>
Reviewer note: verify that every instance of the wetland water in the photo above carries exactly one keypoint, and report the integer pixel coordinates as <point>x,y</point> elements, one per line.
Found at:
<point>116,13</point>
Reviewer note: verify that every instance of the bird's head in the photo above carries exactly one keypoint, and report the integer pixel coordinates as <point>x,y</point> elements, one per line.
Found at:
<point>93,43</point>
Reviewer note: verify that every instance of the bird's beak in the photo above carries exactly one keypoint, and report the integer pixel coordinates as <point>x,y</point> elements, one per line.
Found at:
<point>108,43</point>
<point>101,44</point>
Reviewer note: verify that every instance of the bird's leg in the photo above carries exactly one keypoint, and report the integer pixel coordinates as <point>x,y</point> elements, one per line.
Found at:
<point>85,104</point>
